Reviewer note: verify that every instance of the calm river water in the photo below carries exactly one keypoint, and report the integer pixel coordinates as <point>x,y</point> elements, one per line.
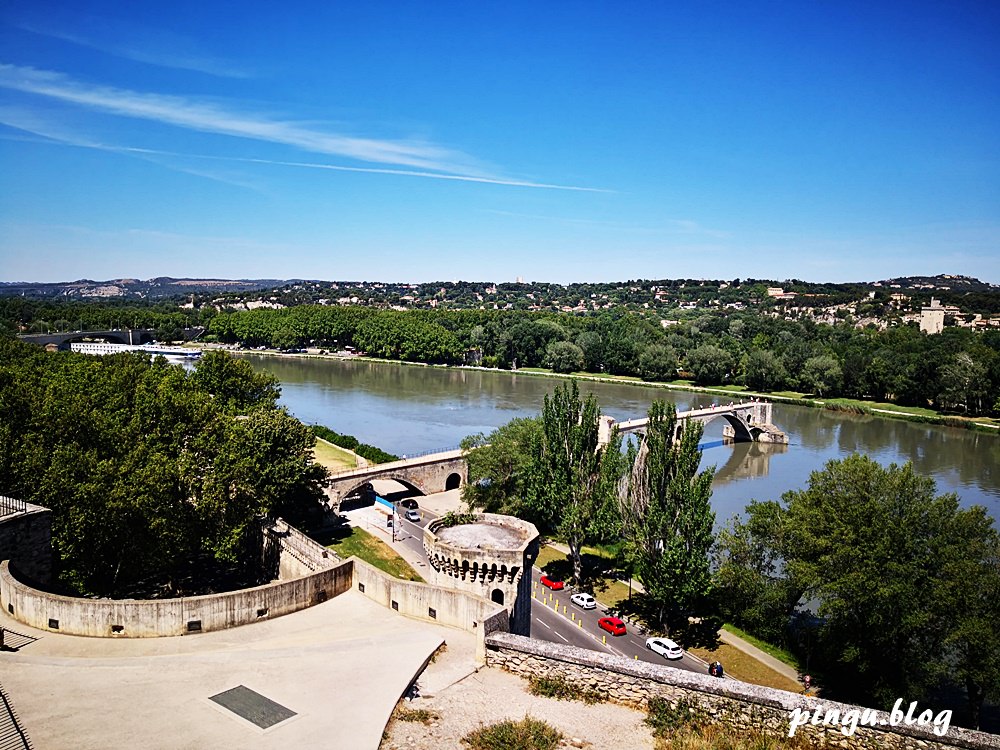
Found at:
<point>410,409</point>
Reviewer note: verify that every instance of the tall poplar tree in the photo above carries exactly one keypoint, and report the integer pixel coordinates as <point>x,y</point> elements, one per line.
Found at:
<point>576,475</point>
<point>666,515</point>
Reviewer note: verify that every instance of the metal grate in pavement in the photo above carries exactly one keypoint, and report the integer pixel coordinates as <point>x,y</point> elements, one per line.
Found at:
<point>253,706</point>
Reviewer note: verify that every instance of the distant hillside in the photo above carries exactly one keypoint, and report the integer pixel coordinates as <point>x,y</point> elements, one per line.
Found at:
<point>943,282</point>
<point>160,287</point>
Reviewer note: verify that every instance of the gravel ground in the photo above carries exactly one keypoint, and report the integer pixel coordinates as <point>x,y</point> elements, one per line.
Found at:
<point>491,695</point>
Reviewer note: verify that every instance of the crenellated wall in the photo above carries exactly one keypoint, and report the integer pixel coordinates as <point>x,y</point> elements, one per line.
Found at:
<point>728,701</point>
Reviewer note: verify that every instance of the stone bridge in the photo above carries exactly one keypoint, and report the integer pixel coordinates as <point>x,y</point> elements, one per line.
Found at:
<point>116,335</point>
<point>435,472</point>
<point>746,421</point>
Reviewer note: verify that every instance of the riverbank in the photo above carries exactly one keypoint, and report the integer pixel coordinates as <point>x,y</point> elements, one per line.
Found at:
<point>854,406</point>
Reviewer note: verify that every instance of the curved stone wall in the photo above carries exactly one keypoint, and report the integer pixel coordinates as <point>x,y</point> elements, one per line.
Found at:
<point>150,618</point>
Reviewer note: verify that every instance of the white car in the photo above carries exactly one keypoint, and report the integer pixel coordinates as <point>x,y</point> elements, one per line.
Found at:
<point>665,647</point>
<point>586,601</point>
<point>412,515</point>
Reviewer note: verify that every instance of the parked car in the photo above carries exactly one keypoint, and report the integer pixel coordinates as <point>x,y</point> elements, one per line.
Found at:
<point>612,624</point>
<point>552,584</point>
<point>412,515</point>
<point>584,600</point>
<point>665,648</point>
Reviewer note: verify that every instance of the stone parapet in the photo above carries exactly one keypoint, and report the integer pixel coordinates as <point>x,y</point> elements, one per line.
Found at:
<point>26,540</point>
<point>728,701</point>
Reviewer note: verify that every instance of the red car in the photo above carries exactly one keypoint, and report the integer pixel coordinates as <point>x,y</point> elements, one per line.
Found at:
<point>554,585</point>
<point>612,624</point>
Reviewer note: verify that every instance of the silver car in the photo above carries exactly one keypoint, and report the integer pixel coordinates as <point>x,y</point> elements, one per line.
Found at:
<point>665,648</point>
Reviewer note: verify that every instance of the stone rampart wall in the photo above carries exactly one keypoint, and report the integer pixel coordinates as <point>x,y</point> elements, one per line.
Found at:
<point>422,601</point>
<point>727,701</point>
<point>298,555</point>
<point>147,618</point>
<point>26,540</point>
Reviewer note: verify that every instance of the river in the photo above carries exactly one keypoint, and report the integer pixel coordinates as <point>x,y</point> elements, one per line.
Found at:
<point>407,409</point>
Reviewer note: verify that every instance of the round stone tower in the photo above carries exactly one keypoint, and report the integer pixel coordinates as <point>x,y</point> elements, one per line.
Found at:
<point>491,557</point>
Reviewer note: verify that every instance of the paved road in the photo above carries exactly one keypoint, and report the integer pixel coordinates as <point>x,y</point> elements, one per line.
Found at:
<point>554,618</point>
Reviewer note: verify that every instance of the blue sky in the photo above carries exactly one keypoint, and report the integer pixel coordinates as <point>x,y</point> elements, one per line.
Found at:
<point>827,141</point>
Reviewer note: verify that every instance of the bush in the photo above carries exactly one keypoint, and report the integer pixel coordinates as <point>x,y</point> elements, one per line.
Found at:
<point>415,714</point>
<point>562,689</point>
<point>453,518</point>
<point>666,718</point>
<point>526,734</point>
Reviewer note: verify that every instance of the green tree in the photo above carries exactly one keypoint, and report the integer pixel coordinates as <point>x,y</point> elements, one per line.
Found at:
<point>753,587</point>
<point>964,384</point>
<point>968,597</point>
<point>822,375</point>
<point>763,370</point>
<point>666,516</point>
<point>575,476</point>
<point>564,357</point>
<point>501,468</point>
<point>902,577</point>
<point>233,382</point>
<point>658,362</point>
<point>710,364</point>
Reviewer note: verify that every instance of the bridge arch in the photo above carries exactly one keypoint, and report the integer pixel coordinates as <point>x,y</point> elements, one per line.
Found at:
<point>742,432</point>
<point>407,482</point>
<point>453,482</point>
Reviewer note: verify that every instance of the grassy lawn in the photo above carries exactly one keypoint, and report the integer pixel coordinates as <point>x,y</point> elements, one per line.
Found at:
<point>333,457</point>
<point>778,653</point>
<point>744,667</point>
<point>608,590</point>
<point>374,552</point>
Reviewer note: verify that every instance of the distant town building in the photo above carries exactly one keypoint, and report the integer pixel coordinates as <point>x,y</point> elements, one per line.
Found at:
<point>932,316</point>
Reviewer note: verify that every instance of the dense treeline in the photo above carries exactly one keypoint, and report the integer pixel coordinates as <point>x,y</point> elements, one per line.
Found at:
<point>373,454</point>
<point>147,468</point>
<point>957,370</point>
<point>25,315</point>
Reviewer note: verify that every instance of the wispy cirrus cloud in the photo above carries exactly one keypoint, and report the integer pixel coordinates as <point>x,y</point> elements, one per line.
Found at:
<point>210,117</point>
<point>423,159</point>
<point>129,41</point>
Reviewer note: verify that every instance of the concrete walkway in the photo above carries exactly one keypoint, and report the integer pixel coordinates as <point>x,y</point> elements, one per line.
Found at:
<point>339,666</point>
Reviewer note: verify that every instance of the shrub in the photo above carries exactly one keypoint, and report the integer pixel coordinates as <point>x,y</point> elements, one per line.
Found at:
<point>453,518</point>
<point>415,714</point>
<point>526,734</point>
<point>562,689</point>
<point>666,718</point>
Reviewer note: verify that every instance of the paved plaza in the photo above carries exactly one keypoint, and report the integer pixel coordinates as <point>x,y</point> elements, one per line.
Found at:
<point>325,677</point>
